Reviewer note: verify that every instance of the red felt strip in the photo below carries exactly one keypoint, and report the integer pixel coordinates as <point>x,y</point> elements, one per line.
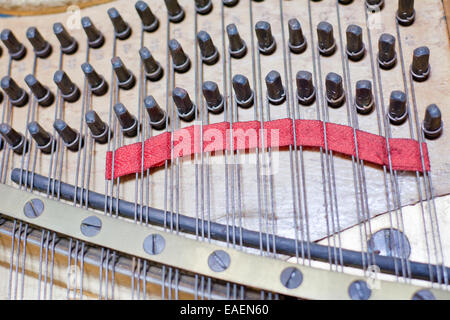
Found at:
<point>404,154</point>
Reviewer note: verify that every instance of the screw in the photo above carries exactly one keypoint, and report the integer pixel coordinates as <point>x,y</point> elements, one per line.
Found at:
<point>97,83</point>
<point>16,140</point>
<point>237,46</point>
<point>397,108</point>
<point>297,42</point>
<point>70,137</point>
<point>156,114</point>
<point>99,129</point>
<point>423,295</point>
<point>364,97</point>
<point>275,89</point>
<point>17,96</point>
<point>33,208</point>
<point>44,141</point>
<point>68,43</point>
<point>42,47</point>
<point>127,121</point>
<point>214,99</point>
<point>291,278</point>
<point>42,94</point>
<point>358,290</point>
<point>203,6</point>
<point>219,261</point>
<point>153,69</point>
<point>69,90</point>
<point>432,125</point>
<point>390,243</point>
<point>208,51</point>
<point>125,78</point>
<point>420,68</point>
<point>181,62</point>
<point>91,226</point>
<point>185,107</point>
<point>174,10</point>
<point>15,49</point>
<point>154,244</point>
<point>266,43</point>
<point>95,37</point>
<point>149,22</point>
<point>406,13</point>
<point>326,41</point>
<point>122,29</point>
<point>306,93</point>
<point>334,90</point>
<point>243,93</point>
<point>355,44</point>
<point>387,56</point>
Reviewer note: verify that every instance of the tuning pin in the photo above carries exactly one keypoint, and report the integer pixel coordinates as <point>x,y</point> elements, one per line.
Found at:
<point>94,36</point>
<point>244,95</point>
<point>275,89</point>
<point>127,121</point>
<point>69,90</point>
<point>68,43</point>
<point>266,42</point>
<point>99,129</point>
<point>174,10</point>
<point>44,141</point>
<point>156,114</point>
<point>153,69</point>
<point>345,1</point>
<point>72,139</point>
<point>203,6</point>
<point>237,47</point>
<point>16,140</point>
<point>181,62</point>
<point>375,5</point>
<point>406,13</point>
<point>334,89</point>
<point>214,100</point>
<point>97,83</point>
<point>387,56</point>
<point>208,51</point>
<point>398,112</point>
<point>125,78</point>
<point>1,98</point>
<point>364,97</point>
<point>122,29</point>
<point>149,22</point>
<point>327,43</point>
<point>432,125</point>
<point>42,94</point>
<point>185,107</point>
<point>297,42</point>
<point>355,45</point>
<point>306,93</point>
<point>42,47</point>
<point>420,68</point>
<point>17,96</point>
<point>15,49</point>
<point>230,3</point>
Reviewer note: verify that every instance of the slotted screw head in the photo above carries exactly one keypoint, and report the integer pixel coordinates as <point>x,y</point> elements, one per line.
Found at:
<point>185,107</point>
<point>398,112</point>
<point>420,68</point>
<point>219,261</point>
<point>326,41</point>
<point>237,46</point>
<point>364,97</point>
<point>334,90</point>
<point>42,47</point>
<point>433,125</point>
<point>387,56</point>
<point>91,226</point>
<point>68,43</point>
<point>275,89</point>
<point>208,51</point>
<point>389,243</point>
<point>95,37</point>
<point>122,29</point>
<point>266,42</point>
<point>15,49</point>
<point>244,95</point>
<point>355,44</point>
<point>297,42</point>
<point>149,22</point>
<point>33,208</point>
<point>154,244</point>
<point>291,278</point>
<point>423,295</point>
<point>214,99</point>
<point>358,290</point>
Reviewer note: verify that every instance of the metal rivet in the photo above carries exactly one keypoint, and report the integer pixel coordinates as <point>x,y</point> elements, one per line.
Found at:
<point>154,244</point>
<point>358,290</point>
<point>423,295</point>
<point>91,226</point>
<point>219,261</point>
<point>33,208</point>
<point>390,243</point>
<point>291,278</point>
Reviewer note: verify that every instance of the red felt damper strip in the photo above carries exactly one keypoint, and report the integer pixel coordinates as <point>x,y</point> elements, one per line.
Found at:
<point>404,154</point>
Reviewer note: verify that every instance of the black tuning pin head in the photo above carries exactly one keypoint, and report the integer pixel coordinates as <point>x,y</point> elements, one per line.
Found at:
<point>99,129</point>
<point>68,43</point>
<point>420,68</point>
<point>181,62</point>
<point>71,138</point>
<point>97,83</point>
<point>149,22</point>
<point>16,140</point>
<point>214,100</point>
<point>185,107</point>
<point>94,36</point>
<point>174,11</point>
<point>15,49</point>
<point>128,122</point>
<point>306,93</point>
<point>230,3</point>
<point>44,141</point>
<point>203,6</point>
<point>406,13</point>
<point>275,90</point>
<point>375,5</point>
<point>297,42</point>
<point>122,29</point>
<point>266,42</point>
<point>153,69</point>
<point>156,114</point>
<point>432,125</point>
<point>17,96</point>
<point>237,46</point>
<point>208,51</point>
<point>387,56</point>
<point>345,1</point>
<point>398,112</point>
<point>41,47</point>
<point>364,97</point>
<point>69,90</point>
<point>334,90</point>
<point>244,95</point>
<point>326,41</point>
<point>125,78</point>
<point>42,94</point>
<point>355,45</point>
